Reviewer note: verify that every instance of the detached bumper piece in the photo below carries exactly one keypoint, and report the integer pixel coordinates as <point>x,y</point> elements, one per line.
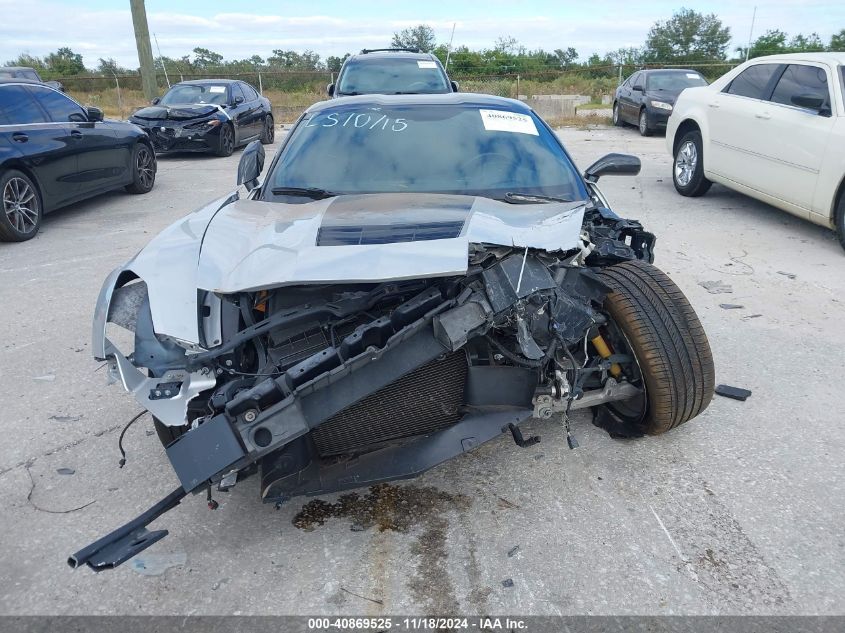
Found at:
<point>126,541</point>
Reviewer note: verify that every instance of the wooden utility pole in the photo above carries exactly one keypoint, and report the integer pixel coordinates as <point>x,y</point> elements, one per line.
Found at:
<point>145,50</point>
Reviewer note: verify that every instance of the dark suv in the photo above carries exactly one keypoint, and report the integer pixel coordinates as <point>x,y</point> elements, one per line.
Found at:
<point>394,71</point>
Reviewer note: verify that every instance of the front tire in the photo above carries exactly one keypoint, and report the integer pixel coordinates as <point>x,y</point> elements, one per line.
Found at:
<point>21,209</point>
<point>226,143</point>
<point>143,169</point>
<point>667,341</point>
<point>839,219</point>
<point>645,130</point>
<point>688,166</point>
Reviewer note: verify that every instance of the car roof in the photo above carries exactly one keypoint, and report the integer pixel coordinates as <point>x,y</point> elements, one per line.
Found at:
<point>451,98</point>
<point>658,71</point>
<point>825,58</point>
<point>16,68</point>
<point>22,80</point>
<point>201,82</point>
<point>392,54</point>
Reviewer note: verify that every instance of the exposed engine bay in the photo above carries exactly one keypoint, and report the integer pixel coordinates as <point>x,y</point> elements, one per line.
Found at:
<point>319,387</point>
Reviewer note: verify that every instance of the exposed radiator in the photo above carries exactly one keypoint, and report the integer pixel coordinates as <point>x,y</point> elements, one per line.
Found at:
<point>426,400</point>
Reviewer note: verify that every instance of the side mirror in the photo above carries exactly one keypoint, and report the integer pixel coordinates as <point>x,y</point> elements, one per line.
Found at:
<point>330,90</point>
<point>454,86</point>
<point>156,101</point>
<point>614,165</point>
<point>811,101</point>
<point>251,165</point>
<point>637,88</point>
<point>238,100</point>
<point>93,114</point>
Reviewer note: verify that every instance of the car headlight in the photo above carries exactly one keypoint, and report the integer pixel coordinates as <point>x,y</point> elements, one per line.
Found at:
<point>661,105</point>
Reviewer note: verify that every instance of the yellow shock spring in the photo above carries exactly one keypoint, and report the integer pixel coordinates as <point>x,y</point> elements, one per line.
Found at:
<point>604,351</point>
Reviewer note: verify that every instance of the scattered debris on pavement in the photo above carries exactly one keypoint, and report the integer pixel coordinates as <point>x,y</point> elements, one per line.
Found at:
<point>736,393</point>
<point>731,306</point>
<point>716,287</point>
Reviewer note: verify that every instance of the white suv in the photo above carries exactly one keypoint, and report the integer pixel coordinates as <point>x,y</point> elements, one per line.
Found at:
<point>772,128</point>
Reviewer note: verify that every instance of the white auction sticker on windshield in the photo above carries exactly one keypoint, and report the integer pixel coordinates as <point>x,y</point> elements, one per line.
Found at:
<point>427,64</point>
<point>692,76</point>
<point>502,121</point>
<point>217,89</point>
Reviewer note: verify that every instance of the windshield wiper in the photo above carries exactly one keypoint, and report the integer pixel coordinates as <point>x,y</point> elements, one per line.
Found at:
<point>515,197</point>
<point>306,192</point>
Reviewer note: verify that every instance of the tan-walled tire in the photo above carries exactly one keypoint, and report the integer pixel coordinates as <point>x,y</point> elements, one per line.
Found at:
<point>666,339</point>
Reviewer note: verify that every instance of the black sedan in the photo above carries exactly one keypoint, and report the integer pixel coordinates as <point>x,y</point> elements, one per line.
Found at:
<point>646,98</point>
<point>208,115</point>
<point>54,152</point>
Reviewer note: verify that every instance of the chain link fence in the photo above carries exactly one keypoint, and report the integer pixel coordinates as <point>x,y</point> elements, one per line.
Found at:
<point>291,92</point>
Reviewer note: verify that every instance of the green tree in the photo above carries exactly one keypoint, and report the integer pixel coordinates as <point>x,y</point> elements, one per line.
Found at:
<point>205,59</point>
<point>566,57</point>
<point>837,41</point>
<point>64,62</point>
<point>291,60</point>
<point>811,43</point>
<point>687,36</point>
<point>30,61</point>
<point>420,37</point>
<point>110,67</point>
<point>333,63</point>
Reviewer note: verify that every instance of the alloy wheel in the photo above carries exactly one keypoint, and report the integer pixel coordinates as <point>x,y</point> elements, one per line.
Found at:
<point>685,163</point>
<point>643,123</point>
<point>144,167</point>
<point>228,140</point>
<point>20,203</point>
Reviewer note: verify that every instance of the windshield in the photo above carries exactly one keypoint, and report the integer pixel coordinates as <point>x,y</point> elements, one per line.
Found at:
<point>675,81</point>
<point>459,149</point>
<point>195,93</point>
<point>391,76</point>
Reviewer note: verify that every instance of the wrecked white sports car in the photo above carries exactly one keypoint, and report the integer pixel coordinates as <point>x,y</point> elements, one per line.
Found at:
<point>415,276</point>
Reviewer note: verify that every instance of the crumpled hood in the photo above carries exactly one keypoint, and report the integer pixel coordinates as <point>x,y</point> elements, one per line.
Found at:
<point>373,237</point>
<point>176,112</point>
<point>249,245</point>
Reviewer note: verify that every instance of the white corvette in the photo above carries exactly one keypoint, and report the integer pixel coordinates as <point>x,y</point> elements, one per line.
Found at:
<point>772,128</point>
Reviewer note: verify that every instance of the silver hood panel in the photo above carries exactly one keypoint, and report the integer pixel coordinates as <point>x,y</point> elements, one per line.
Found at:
<point>249,245</point>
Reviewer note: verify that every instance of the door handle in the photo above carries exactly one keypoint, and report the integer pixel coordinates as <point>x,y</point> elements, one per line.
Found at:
<point>76,134</point>
<point>713,104</point>
<point>20,137</point>
<point>763,115</point>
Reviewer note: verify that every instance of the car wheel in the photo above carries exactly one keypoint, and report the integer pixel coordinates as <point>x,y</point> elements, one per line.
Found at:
<point>227,141</point>
<point>21,211</point>
<point>672,356</point>
<point>839,219</point>
<point>645,130</point>
<point>143,169</point>
<point>268,134</point>
<point>688,166</point>
<point>617,121</point>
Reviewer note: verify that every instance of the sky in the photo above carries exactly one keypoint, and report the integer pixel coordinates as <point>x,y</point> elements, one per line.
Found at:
<point>103,28</point>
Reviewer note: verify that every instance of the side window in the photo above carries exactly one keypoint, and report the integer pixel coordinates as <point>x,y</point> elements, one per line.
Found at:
<point>635,79</point>
<point>30,74</point>
<point>752,81</point>
<point>17,106</point>
<point>57,106</point>
<point>249,92</point>
<point>799,79</point>
<point>237,92</point>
